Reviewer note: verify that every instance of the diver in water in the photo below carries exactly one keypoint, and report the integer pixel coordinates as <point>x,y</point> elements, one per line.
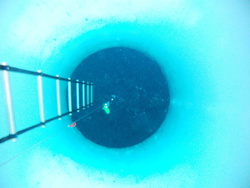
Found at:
<point>106,105</point>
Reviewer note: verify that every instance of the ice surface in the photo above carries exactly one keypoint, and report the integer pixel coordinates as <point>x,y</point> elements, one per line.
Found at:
<point>202,47</point>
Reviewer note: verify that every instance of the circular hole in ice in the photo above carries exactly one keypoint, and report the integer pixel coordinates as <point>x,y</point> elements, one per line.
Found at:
<point>141,97</point>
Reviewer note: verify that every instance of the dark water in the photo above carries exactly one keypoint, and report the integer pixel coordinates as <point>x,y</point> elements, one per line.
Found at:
<point>141,102</point>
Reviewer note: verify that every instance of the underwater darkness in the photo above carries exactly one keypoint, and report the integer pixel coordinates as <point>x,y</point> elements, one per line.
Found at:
<point>141,103</point>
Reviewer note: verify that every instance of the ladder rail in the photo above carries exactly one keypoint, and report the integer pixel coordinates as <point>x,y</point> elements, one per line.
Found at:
<point>18,133</point>
<point>14,69</point>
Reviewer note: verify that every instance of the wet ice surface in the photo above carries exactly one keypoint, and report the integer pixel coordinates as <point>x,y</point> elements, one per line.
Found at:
<point>141,102</point>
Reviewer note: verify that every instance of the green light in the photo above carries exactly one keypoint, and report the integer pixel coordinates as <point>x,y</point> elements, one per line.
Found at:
<point>106,108</point>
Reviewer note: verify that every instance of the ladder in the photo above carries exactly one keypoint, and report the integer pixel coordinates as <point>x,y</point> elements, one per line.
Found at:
<point>86,92</point>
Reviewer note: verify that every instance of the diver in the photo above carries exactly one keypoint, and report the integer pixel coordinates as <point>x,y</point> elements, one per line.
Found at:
<point>106,105</point>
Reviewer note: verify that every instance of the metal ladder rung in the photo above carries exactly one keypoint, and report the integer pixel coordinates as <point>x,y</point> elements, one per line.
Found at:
<point>87,94</point>
<point>69,96</point>
<point>9,104</point>
<point>58,97</point>
<point>83,95</point>
<point>40,98</point>
<point>91,93</point>
<point>77,96</point>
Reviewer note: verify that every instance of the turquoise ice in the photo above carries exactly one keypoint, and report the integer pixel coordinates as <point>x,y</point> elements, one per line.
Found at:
<point>203,49</point>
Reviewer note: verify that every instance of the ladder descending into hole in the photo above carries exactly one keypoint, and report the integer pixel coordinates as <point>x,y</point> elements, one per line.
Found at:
<point>87,98</point>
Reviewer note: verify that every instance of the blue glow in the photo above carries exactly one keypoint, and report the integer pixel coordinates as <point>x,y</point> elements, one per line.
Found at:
<point>202,47</point>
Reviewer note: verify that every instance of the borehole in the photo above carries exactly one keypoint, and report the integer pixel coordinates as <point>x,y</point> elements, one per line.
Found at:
<point>141,97</point>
